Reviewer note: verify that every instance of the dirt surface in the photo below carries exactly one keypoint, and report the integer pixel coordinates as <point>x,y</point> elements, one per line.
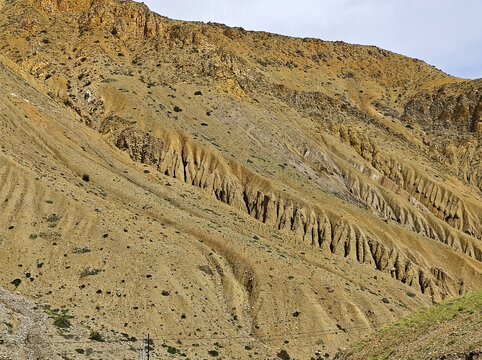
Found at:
<point>450,330</point>
<point>228,192</point>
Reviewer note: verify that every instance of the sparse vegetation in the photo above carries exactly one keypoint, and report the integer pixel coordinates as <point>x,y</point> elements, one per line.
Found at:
<point>96,336</point>
<point>52,218</point>
<point>89,272</point>
<point>306,147</point>
<point>62,321</point>
<point>82,250</point>
<point>426,326</point>
<point>206,269</point>
<point>213,353</point>
<point>172,350</point>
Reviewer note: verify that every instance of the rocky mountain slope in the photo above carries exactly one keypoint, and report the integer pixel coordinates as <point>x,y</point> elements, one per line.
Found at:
<point>450,330</point>
<point>229,192</point>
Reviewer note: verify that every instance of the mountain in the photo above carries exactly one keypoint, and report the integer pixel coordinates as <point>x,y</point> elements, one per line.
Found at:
<point>450,330</point>
<point>231,193</point>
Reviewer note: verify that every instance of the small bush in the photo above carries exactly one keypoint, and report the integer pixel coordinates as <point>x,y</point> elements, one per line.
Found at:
<point>83,250</point>
<point>198,93</point>
<point>80,351</point>
<point>172,350</point>
<point>177,109</point>
<point>16,282</point>
<point>206,269</point>
<point>165,293</point>
<point>213,353</point>
<point>411,294</point>
<point>86,178</point>
<point>89,272</point>
<point>283,355</point>
<point>96,336</point>
<point>62,321</point>
<point>296,314</point>
<point>385,300</point>
<point>53,218</point>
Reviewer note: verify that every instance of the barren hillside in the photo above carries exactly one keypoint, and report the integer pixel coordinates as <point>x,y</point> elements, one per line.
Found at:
<point>229,192</point>
<point>450,330</point>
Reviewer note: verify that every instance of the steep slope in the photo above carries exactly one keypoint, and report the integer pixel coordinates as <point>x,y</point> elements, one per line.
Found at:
<point>450,330</point>
<point>233,180</point>
<point>45,333</point>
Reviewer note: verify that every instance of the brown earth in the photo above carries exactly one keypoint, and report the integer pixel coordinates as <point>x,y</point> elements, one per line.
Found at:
<point>226,190</point>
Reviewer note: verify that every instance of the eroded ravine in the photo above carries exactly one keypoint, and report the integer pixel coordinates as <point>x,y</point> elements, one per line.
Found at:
<point>178,157</point>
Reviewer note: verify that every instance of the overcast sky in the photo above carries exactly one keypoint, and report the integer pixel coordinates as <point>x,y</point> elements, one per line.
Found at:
<point>444,33</point>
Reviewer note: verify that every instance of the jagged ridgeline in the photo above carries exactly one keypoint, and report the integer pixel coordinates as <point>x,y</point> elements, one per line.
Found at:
<point>293,193</point>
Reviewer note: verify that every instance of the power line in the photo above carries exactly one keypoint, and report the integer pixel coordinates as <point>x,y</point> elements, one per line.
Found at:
<point>169,337</point>
<point>269,336</point>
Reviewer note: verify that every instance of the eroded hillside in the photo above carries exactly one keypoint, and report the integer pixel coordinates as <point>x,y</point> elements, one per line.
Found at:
<point>206,183</point>
<point>450,330</point>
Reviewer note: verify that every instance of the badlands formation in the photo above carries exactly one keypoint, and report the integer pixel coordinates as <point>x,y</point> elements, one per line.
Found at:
<point>234,194</point>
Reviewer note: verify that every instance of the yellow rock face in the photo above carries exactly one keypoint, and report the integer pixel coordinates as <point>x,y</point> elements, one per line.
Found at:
<point>223,190</point>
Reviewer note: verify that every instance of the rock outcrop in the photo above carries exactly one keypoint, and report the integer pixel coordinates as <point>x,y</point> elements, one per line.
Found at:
<point>175,156</point>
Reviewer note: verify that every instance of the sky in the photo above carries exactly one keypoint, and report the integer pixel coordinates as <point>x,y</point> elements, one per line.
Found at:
<point>444,33</point>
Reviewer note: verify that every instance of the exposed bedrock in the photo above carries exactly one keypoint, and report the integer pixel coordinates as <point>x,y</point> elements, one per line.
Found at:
<point>235,185</point>
<point>418,188</point>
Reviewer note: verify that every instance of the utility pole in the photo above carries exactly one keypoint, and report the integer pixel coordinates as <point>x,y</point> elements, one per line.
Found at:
<point>148,345</point>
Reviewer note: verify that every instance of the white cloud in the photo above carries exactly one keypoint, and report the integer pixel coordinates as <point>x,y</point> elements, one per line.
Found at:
<point>445,33</point>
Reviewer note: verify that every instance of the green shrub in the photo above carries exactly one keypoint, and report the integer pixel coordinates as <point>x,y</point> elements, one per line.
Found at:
<point>89,271</point>
<point>86,178</point>
<point>83,250</point>
<point>206,269</point>
<point>53,218</point>
<point>213,353</point>
<point>177,109</point>
<point>96,336</point>
<point>16,282</point>
<point>172,350</point>
<point>411,294</point>
<point>62,321</point>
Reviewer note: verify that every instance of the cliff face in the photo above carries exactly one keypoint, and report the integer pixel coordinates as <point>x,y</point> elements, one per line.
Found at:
<point>244,158</point>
